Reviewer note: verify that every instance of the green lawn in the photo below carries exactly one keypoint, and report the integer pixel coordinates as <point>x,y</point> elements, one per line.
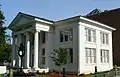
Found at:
<point>72,76</point>
<point>0,75</point>
<point>42,76</point>
<point>87,76</point>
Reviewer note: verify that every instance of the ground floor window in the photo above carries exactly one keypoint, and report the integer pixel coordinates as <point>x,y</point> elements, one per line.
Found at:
<point>90,55</point>
<point>104,54</point>
<point>43,56</point>
<point>70,55</point>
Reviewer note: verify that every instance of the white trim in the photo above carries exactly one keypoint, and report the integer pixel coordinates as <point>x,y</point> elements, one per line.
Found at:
<point>86,19</point>
<point>36,19</point>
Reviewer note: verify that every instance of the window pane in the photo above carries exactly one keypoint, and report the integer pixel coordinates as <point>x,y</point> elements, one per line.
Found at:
<point>107,39</point>
<point>61,36</point>
<point>71,55</point>
<point>94,36</point>
<point>107,56</point>
<point>89,35</point>
<point>43,37</point>
<point>104,38</point>
<point>43,51</point>
<point>90,54</point>
<point>104,56</point>
<point>71,34</point>
<point>66,37</point>
<point>43,60</point>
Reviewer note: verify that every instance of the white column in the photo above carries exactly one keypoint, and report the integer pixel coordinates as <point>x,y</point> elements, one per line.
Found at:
<point>13,52</point>
<point>81,48</point>
<point>27,52</point>
<point>98,42</point>
<point>36,42</point>
<point>110,51</point>
<point>78,43</point>
<point>18,42</point>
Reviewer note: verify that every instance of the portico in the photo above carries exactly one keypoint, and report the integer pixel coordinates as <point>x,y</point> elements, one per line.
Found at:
<point>30,53</point>
<point>28,30</point>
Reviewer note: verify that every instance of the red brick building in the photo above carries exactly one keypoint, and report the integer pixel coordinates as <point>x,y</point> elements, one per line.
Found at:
<point>111,18</point>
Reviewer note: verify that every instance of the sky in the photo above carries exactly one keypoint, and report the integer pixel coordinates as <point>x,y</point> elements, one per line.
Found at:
<point>54,9</point>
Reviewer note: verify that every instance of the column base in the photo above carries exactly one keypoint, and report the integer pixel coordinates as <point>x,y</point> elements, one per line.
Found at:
<point>27,67</point>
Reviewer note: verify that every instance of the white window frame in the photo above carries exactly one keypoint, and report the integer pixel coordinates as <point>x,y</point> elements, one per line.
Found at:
<point>104,56</point>
<point>66,33</point>
<point>90,55</point>
<point>90,35</point>
<point>104,37</point>
<point>70,57</point>
<point>43,56</point>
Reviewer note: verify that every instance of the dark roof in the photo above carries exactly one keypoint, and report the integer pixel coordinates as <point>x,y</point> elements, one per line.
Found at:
<point>24,14</point>
<point>95,11</point>
<point>111,17</point>
<point>36,17</point>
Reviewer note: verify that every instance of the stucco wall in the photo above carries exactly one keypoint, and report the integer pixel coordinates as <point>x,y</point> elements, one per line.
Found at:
<point>88,68</point>
<point>72,67</point>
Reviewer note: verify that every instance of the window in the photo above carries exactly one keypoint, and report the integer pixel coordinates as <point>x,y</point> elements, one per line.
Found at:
<point>90,54</point>
<point>104,38</point>
<point>43,37</point>
<point>90,35</point>
<point>43,56</point>
<point>104,54</point>
<point>66,35</point>
<point>61,36</point>
<point>70,34</point>
<point>70,55</point>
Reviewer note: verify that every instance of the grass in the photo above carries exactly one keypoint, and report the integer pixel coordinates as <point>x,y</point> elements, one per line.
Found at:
<point>67,76</point>
<point>42,76</point>
<point>87,76</point>
<point>0,75</point>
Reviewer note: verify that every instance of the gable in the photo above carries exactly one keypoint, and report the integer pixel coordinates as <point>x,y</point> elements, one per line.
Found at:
<point>23,18</point>
<point>20,19</point>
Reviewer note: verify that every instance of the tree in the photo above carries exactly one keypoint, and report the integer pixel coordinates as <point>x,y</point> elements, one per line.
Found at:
<point>2,17</point>
<point>59,56</point>
<point>5,48</point>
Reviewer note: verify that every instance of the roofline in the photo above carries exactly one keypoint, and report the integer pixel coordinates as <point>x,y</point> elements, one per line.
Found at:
<point>13,20</point>
<point>36,18</point>
<point>39,20</point>
<point>67,19</point>
<point>51,22</point>
<point>105,12</point>
<point>96,22</point>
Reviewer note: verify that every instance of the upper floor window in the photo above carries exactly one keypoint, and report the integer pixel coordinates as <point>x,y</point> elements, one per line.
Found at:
<point>104,54</point>
<point>104,38</point>
<point>90,35</point>
<point>43,37</point>
<point>90,55</point>
<point>66,35</point>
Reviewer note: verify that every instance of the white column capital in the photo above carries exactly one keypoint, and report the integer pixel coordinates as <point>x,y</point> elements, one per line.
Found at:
<point>37,30</point>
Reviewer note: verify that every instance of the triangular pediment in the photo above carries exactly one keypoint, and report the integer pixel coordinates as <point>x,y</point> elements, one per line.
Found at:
<point>21,19</point>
